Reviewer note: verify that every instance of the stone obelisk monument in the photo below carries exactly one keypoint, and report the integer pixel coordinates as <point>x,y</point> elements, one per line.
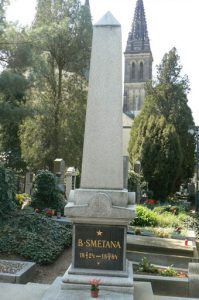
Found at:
<point>100,209</point>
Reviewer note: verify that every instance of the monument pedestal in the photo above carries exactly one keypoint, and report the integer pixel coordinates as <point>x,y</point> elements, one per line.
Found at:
<point>99,241</point>
<point>100,206</point>
<point>142,291</point>
<point>121,285</point>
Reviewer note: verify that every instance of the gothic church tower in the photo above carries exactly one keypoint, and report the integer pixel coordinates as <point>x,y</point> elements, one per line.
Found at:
<point>138,63</point>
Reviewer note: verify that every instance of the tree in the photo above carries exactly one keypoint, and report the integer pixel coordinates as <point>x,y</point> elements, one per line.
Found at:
<point>46,193</point>
<point>13,88</point>
<point>2,15</point>
<point>37,132</point>
<point>8,191</point>
<point>159,136</point>
<point>3,26</point>
<point>62,39</point>
<point>15,57</point>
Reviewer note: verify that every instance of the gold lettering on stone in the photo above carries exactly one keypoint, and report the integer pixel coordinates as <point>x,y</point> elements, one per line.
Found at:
<point>99,244</point>
<point>93,243</point>
<point>80,243</point>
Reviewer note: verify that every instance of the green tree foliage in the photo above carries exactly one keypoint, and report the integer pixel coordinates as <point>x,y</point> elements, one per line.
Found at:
<point>2,28</point>
<point>45,67</point>
<point>159,137</point>
<point>45,191</point>
<point>62,38</point>
<point>13,88</point>
<point>14,83</point>
<point>37,133</point>
<point>2,14</point>
<point>7,192</point>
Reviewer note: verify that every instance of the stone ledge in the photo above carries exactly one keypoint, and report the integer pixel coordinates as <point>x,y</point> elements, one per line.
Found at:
<point>163,285</point>
<point>142,291</point>
<point>99,205</point>
<point>22,276</point>
<point>160,245</point>
<point>107,282</point>
<point>176,261</point>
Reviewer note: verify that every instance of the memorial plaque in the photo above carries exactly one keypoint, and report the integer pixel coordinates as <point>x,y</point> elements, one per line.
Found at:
<point>99,247</point>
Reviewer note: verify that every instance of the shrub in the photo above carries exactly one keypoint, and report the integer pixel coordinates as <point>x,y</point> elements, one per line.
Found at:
<point>7,192</point>
<point>146,266</point>
<point>173,209</point>
<point>134,180</point>
<point>144,217</point>
<point>169,220</point>
<point>46,193</point>
<point>35,237</point>
<point>23,200</point>
<point>147,217</point>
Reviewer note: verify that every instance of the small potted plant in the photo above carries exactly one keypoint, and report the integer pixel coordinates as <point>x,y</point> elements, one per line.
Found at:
<point>94,287</point>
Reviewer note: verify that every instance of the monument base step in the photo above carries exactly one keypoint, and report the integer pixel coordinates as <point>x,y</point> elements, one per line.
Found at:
<point>108,283</point>
<point>142,291</point>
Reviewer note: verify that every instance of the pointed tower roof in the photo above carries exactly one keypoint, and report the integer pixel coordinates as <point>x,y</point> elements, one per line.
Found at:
<point>87,3</point>
<point>138,40</point>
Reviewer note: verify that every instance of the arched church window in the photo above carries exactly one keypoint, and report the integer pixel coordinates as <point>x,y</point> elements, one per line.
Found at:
<point>141,70</point>
<point>133,70</point>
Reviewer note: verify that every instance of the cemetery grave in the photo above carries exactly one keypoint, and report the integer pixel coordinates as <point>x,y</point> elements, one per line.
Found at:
<point>16,271</point>
<point>100,210</point>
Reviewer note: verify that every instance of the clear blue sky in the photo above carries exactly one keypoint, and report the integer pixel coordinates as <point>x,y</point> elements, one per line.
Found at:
<point>170,23</point>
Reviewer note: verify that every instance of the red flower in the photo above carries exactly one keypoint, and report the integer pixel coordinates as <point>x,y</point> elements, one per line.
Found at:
<point>94,284</point>
<point>95,281</point>
<point>156,202</point>
<point>151,202</point>
<point>147,201</point>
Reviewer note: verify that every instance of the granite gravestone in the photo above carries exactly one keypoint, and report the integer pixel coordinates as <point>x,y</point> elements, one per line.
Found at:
<point>100,209</point>
<point>70,180</point>
<point>59,170</point>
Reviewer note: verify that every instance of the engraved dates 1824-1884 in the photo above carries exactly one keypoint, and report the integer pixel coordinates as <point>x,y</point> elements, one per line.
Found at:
<point>99,247</point>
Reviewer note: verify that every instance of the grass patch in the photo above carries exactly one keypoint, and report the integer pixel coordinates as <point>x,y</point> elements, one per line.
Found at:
<point>159,218</point>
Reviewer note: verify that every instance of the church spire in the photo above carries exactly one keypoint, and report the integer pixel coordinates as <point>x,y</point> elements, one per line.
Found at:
<point>87,3</point>
<point>138,39</point>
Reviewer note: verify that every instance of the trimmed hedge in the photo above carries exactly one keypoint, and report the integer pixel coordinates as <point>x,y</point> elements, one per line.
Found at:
<point>34,237</point>
<point>46,193</point>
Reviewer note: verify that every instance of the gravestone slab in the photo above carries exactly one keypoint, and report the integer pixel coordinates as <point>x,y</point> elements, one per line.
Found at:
<point>99,247</point>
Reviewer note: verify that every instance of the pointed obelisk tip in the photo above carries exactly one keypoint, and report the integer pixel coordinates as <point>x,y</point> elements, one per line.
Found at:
<point>108,20</point>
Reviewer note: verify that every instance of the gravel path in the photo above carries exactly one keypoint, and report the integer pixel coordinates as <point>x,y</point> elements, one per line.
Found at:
<point>10,267</point>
